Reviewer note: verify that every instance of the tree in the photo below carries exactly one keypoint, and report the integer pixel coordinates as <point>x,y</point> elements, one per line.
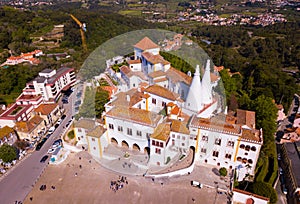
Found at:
<point>264,189</point>
<point>223,171</point>
<point>7,153</point>
<point>101,98</point>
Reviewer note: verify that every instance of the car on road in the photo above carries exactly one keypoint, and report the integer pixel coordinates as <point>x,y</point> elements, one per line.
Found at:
<point>51,130</point>
<point>59,121</point>
<point>196,184</point>
<point>48,135</point>
<point>56,125</point>
<point>56,143</point>
<point>280,171</point>
<point>40,144</point>
<point>63,117</point>
<point>44,158</point>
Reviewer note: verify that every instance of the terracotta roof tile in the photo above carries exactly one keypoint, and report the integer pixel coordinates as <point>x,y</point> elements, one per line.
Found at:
<point>136,115</point>
<point>157,74</point>
<point>145,44</point>
<point>85,123</point>
<point>215,124</point>
<point>96,132</point>
<point>154,59</point>
<point>245,117</point>
<point>138,61</point>
<point>178,76</point>
<point>180,126</point>
<point>161,132</point>
<point>5,131</point>
<point>28,126</point>
<point>45,109</point>
<point>163,92</point>
<point>251,134</point>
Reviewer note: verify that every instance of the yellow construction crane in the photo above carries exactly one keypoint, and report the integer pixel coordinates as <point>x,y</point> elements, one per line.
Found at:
<point>82,27</point>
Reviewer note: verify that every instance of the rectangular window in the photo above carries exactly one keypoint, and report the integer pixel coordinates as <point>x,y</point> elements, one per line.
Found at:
<point>205,138</point>
<point>153,142</point>
<point>182,144</point>
<point>148,135</point>
<point>218,141</point>
<point>93,139</point>
<point>183,137</point>
<point>203,150</point>
<point>173,135</point>
<point>79,130</point>
<point>153,100</point>
<point>173,142</point>
<point>161,144</point>
<point>120,128</point>
<point>215,153</point>
<point>129,131</point>
<point>111,126</point>
<point>163,103</point>
<point>157,151</point>
<point>230,144</point>
<point>157,143</point>
<point>139,133</point>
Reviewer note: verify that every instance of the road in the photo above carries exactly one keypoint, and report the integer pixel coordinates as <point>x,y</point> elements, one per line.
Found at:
<point>19,181</point>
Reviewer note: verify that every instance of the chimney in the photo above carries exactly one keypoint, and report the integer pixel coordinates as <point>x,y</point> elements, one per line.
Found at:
<point>127,97</point>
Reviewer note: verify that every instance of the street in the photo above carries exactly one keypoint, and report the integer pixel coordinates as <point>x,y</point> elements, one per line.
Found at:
<point>19,181</point>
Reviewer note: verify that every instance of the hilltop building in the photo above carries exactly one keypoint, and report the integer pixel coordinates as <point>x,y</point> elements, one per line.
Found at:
<point>167,114</point>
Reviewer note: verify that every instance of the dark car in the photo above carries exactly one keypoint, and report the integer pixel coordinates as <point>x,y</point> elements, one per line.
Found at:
<point>63,117</point>
<point>44,158</point>
<point>40,144</point>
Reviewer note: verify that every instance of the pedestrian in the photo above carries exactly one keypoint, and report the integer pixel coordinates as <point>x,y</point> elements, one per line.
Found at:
<point>80,166</point>
<point>31,198</point>
<point>75,174</point>
<point>79,158</point>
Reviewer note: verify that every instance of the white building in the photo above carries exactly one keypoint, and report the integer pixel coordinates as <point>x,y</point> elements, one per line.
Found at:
<point>50,83</point>
<point>174,114</point>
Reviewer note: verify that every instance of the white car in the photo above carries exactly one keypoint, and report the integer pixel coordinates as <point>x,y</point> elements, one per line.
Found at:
<point>59,121</point>
<point>50,151</point>
<point>51,130</point>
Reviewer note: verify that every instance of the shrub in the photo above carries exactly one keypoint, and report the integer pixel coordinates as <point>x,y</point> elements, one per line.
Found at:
<point>223,171</point>
<point>71,135</point>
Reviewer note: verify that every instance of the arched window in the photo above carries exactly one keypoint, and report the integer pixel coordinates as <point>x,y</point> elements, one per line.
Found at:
<point>242,146</point>
<point>250,161</point>
<point>253,148</point>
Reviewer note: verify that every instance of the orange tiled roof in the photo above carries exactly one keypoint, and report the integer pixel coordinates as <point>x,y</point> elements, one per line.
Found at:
<point>161,132</point>
<point>215,124</point>
<point>96,132</point>
<point>180,126</point>
<point>157,74</point>
<point>177,76</point>
<point>245,117</point>
<point>160,80</point>
<point>28,126</point>
<point>175,110</point>
<point>154,59</point>
<point>134,114</point>
<point>251,134</point>
<point>45,109</point>
<point>138,61</point>
<point>163,92</point>
<point>5,131</point>
<point>145,44</point>
<point>127,71</point>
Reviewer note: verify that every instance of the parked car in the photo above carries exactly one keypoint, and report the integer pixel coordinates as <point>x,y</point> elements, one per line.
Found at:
<point>44,158</point>
<point>51,150</point>
<point>51,130</point>
<point>196,184</point>
<point>59,121</point>
<point>63,117</point>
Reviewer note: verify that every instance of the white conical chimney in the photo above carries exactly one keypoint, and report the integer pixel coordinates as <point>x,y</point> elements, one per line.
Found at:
<point>193,101</point>
<point>206,85</point>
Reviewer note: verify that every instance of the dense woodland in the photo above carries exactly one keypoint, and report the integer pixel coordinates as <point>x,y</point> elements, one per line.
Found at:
<point>261,55</point>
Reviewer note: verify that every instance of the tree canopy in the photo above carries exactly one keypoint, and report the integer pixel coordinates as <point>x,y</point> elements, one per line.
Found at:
<point>7,153</point>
